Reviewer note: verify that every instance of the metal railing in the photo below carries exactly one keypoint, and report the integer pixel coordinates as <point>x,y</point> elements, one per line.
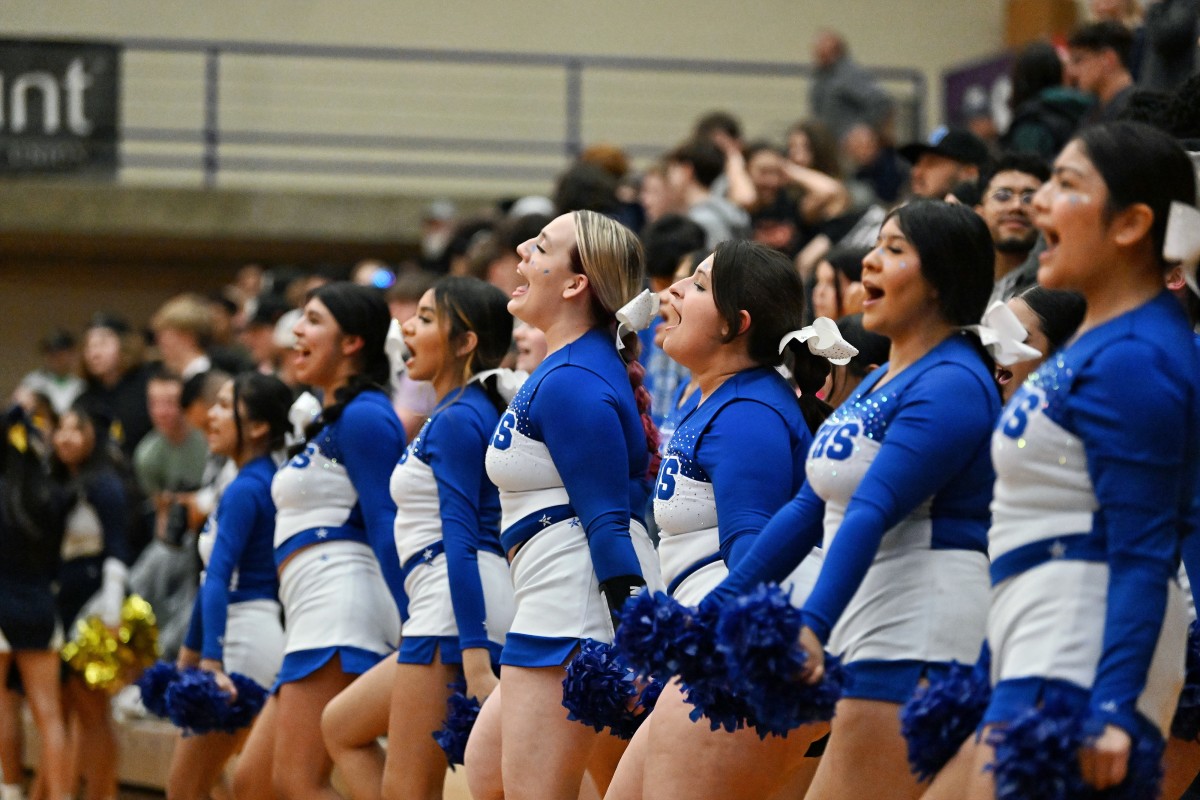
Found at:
<point>226,111</point>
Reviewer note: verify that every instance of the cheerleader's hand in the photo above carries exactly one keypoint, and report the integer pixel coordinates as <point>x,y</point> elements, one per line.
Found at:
<point>187,658</point>
<point>224,682</point>
<point>477,668</point>
<point>814,665</point>
<point>1104,761</point>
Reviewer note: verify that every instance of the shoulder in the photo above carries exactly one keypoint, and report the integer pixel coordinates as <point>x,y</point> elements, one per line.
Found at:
<point>461,419</point>
<point>370,410</point>
<point>956,366</point>
<point>105,485</point>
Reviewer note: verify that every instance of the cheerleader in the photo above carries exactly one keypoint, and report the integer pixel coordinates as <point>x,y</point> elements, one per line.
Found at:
<point>898,484</point>
<point>31,530</point>
<point>448,539</point>
<point>1049,318</point>
<point>95,558</point>
<point>339,577</point>
<point>236,623</point>
<point>570,457</point>
<point>731,464</point>
<point>1095,458</point>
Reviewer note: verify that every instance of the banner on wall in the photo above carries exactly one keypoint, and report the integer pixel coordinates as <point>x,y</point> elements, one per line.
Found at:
<point>59,104</point>
<point>981,88</point>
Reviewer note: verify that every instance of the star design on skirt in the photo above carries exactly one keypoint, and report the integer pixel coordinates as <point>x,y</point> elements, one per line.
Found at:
<point>1058,549</point>
<point>322,533</point>
<point>545,520</point>
<point>575,523</point>
<point>427,555</point>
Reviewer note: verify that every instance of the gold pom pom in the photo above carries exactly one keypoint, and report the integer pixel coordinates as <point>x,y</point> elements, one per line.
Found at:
<point>107,662</point>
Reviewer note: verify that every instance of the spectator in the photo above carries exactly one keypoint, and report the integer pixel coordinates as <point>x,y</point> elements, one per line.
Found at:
<point>725,131</point>
<point>1046,113</point>
<point>844,94</point>
<point>1007,208</point>
<point>56,378</point>
<point>1099,65</point>
<point>876,165</point>
<point>587,187</point>
<point>116,380</point>
<point>1170,56</point>
<point>438,225</point>
<point>950,156</point>
<point>170,461</point>
<point>225,309</point>
<point>258,335</point>
<point>182,332</point>
<point>653,194</point>
<point>691,170</point>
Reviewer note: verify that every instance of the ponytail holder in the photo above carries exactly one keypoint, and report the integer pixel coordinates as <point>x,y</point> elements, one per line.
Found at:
<point>303,411</point>
<point>1003,335</point>
<point>508,381</point>
<point>397,354</point>
<point>636,315</point>
<point>1181,245</point>
<point>824,340</point>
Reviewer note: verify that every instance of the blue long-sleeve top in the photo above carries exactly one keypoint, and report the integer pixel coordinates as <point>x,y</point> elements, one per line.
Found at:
<point>453,444</point>
<point>915,447</point>
<point>578,407</point>
<point>1104,437</point>
<point>732,463</point>
<point>1189,532</point>
<point>241,563</point>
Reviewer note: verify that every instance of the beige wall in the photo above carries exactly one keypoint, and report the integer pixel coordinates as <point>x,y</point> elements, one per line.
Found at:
<point>417,100</point>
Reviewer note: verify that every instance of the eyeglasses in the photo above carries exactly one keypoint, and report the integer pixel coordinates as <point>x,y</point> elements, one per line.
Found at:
<point>1004,195</point>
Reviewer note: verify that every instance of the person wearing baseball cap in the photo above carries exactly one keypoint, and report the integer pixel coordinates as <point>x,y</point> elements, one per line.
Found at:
<point>950,156</point>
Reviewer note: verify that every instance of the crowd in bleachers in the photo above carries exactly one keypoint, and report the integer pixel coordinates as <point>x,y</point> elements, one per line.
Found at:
<point>125,408</point>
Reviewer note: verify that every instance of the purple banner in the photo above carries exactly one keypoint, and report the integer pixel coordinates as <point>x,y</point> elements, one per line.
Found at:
<point>977,89</point>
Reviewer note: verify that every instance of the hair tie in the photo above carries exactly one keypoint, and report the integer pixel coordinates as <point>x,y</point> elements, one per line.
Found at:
<point>397,354</point>
<point>303,411</point>
<point>1182,241</point>
<point>824,340</point>
<point>636,315</point>
<point>508,381</point>
<point>1003,335</point>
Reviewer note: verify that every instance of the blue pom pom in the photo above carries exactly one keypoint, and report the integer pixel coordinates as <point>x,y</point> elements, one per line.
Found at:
<point>758,636</point>
<point>600,688</point>
<point>942,715</point>
<point>1186,724</point>
<point>461,713</point>
<point>154,683</point>
<point>197,705</point>
<point>657,635</point>
<point>1037,754</point>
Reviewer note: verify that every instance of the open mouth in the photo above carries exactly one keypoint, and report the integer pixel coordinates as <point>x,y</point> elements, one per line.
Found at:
<point>871,293</point>
<point>1052,239</point>
<point>1003,376</point>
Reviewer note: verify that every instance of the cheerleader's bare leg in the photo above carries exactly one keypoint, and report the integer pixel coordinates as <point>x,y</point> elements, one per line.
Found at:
<point>352,724</point>
<point>10,735</point>
<point>866,756</point>
<point>546,754</point>
<point>1181,763</point>
<point>627,781</point>
<point>40,676</point>
<point>416,765</point>
<point>605,758</point>
<point>301,766</point>
<point>252,778</point>
<point>97,740</point>
<point>686,759</point>
<point>483,757</point>
<point>980,785</point>
<point>198,761</point>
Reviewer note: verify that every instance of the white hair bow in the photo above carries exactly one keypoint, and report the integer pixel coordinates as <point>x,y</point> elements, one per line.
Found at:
<point>824,339</point>
<point>1004,336</point>
<point>1182,243</point>
<point>508,381</point>
<point>636,315</point>
<point>303,411</point>
<point>397,354</point>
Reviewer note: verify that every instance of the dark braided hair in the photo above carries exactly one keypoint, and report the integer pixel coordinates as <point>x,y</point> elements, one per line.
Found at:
<point>266,399</point>
<point>471,305</point>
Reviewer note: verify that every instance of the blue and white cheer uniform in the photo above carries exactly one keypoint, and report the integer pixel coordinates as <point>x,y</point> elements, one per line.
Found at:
<point>448,535</point>
<point>1095,459</point>
<point>236,618</point>
<point>899,482</point>
<point>569,456</point>
<point>732,462</point>
<point>339,575</point>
